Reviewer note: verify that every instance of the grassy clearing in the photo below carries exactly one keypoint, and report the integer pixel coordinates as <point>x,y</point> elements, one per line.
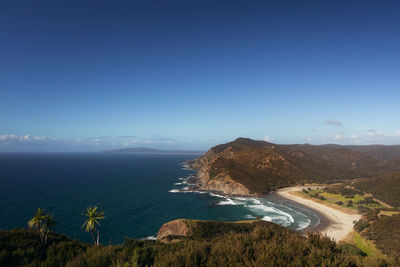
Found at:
<point>338,198</point>
<point>365,245</point>
<point>388,213</point>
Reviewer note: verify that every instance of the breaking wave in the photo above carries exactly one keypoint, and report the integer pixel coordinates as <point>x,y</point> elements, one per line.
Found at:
<point>275,211</point>
<point>228,201</point>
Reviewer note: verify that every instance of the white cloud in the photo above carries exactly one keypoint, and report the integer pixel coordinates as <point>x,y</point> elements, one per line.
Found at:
<point>374,132</point>
<point>15,138</point>
<point>267,139</point>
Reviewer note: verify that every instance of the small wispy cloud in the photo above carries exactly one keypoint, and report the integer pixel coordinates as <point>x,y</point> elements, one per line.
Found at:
<point>369,137</point>
<point>153,140</point>
<point>267,139</point>
<point>127,136</point>
<point>13,138</point>
<point>375,132</point>
<point>335,123</point>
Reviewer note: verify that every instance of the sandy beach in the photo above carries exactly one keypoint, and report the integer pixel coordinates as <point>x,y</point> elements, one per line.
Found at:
<point>334,222</point>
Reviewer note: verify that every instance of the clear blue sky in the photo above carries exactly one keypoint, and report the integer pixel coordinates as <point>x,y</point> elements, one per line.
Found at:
<point>91,75</point>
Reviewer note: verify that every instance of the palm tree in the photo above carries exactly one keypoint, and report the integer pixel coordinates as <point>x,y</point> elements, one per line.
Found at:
<point>36,221</point>
<point>48,225</point>
<point>93,215</point>
<point>43,222</point>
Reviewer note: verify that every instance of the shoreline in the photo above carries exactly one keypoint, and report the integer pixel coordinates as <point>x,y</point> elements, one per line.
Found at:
<point>333,222</point>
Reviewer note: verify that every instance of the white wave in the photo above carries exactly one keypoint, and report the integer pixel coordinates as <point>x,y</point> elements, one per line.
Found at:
<point>266,218</point>
<point>279,215</point>
<point>269,211</point>
<point>150,238</point>
<point>183,190</point>
<point>228,201</point>
<point>303,225</point>
<point>216,195</point>
<point>182,178</point>
<point>178,183</point>
<point>174,191</point>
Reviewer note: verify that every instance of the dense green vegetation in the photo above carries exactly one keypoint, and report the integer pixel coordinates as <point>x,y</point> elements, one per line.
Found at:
<point>211,244</point>
<point>385,188</point>
<point>262,167</point>
<point>22,247</point>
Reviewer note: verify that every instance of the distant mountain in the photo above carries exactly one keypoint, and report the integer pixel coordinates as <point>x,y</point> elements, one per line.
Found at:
<point>246,167</point>
<point>144,150</point>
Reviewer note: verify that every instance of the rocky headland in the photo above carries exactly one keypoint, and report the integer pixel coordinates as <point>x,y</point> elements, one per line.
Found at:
<point>247,167</point>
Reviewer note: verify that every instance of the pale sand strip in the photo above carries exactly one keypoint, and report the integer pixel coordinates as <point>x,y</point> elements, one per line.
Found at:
<point>338,225</point>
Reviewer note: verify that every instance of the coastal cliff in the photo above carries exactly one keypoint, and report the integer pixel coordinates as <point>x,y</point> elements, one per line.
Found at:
<point>249,167</point>
<point>221,182</point>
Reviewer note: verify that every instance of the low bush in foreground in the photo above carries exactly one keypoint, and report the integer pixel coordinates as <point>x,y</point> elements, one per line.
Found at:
<point>234,244</point>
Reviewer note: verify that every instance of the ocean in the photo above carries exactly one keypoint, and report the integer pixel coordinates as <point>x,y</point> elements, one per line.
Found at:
<point>138,193</point>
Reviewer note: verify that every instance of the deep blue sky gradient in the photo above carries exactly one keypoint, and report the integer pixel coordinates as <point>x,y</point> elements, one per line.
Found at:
<point>90,75</point>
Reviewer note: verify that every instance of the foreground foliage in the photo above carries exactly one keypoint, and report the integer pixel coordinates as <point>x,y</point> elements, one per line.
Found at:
<point>212,244</point>
<point>43,223</point>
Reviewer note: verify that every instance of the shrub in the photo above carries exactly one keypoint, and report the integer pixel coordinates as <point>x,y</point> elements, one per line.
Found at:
<point>367,200</point>
<point>361,225</point>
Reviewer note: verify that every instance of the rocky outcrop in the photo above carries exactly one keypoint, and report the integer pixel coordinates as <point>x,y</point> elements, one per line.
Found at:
<point>173,229</point>
<point>226,185</point>
<point>221,183</point>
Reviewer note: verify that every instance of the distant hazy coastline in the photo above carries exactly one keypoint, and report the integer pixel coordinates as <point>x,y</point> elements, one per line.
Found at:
<point>144,150</point>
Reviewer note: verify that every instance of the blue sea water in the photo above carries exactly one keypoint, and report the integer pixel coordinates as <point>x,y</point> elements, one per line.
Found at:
<point>138,193</point>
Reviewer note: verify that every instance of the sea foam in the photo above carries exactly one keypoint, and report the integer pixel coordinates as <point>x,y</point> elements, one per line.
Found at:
<point>303,225</point>
<point>228,201</point>
<point>174,191</point>
<point>258,206</point>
